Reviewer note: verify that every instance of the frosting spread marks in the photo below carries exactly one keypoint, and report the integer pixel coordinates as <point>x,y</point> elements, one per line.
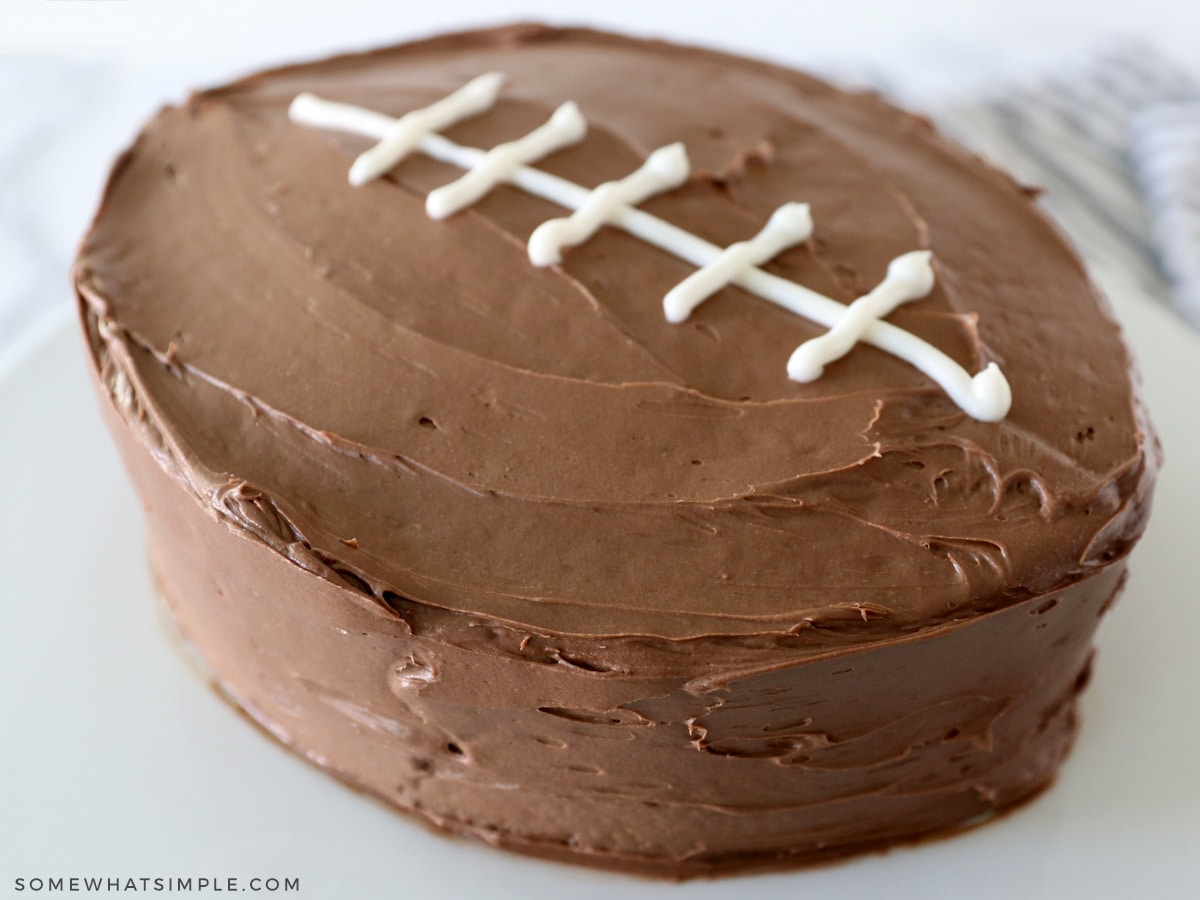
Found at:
<point>490,434</point>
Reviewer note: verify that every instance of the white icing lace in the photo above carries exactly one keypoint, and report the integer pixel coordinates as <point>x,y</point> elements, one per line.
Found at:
<point>985,396</point>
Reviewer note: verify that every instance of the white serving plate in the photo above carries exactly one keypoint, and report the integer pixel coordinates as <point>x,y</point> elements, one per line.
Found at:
<point>118,759</point>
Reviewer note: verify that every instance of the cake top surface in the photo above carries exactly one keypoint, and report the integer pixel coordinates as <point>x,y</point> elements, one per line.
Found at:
<point>411,407</point>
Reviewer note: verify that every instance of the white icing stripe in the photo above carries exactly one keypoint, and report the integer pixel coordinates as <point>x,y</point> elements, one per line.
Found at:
<point>567,126</point>
<point>986,396</point>
<point>404,136</point>
<point>664,170</point>
<point>909,277</point>
<point>788,226</point>
<point>311,110</point>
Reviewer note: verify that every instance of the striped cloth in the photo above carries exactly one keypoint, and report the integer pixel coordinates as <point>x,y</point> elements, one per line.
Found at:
<point>1116,141</point>
<point>1166,150</point>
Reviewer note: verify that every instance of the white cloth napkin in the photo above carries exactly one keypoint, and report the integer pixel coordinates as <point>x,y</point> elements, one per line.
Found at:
<point>1116,142</point>
<point>1166,151</point>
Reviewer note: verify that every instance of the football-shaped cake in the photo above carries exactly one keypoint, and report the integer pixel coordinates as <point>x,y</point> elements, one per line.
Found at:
<point>621,452</point>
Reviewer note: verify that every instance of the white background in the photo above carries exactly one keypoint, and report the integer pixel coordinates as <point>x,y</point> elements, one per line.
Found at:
<point>247,32</point>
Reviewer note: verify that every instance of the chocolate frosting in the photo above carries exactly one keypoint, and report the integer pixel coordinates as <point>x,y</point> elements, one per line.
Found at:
<point>439,431</point>
<point>492,435</point>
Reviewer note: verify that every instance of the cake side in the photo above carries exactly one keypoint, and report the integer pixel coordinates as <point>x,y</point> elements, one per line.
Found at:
<point>669,758</point>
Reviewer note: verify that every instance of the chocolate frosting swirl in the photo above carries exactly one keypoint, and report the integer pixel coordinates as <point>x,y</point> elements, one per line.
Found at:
<point>410,408</point>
